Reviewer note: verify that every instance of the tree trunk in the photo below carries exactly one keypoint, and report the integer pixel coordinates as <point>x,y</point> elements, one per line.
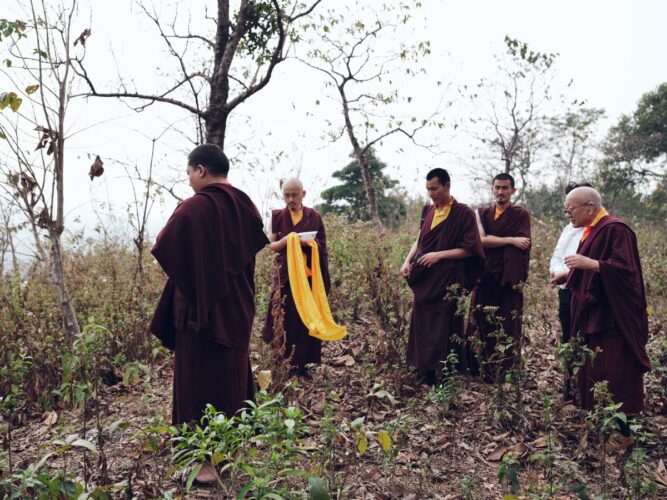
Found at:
<point>368,184</point>
<point>363,164</point>
<point>216,126</point>
<point>70,322</point>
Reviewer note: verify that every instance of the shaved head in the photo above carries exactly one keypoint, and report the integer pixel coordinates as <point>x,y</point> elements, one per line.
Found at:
<point>293,194</point>
<point>582,206</point>
<point>293,183</point>
<point>586,194</point>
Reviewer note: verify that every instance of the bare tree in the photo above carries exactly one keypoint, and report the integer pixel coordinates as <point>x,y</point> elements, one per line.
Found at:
<point>346,52</point>
<point>36,180</point>
<point>510,112</point>
<point>573,144</point>
<point>246,45</point>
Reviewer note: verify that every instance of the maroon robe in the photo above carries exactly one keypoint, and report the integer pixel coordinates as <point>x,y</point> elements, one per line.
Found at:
<point>205,314</point>
<point>434,320</point>
<point>609,310</point>
<point>305,349</point>
<point>505,270</point>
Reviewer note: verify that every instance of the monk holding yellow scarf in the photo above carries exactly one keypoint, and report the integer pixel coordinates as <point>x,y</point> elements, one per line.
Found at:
<point>302,342</point>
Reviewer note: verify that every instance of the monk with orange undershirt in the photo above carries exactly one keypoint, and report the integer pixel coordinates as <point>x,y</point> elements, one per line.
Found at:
<point>505,232</point>
<point>295,217</point>
<point>447,255</point>
<point>608,310</point>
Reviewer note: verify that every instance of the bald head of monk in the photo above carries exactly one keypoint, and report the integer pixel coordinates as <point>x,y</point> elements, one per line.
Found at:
<point>582,205</point>
<point>293,194</point>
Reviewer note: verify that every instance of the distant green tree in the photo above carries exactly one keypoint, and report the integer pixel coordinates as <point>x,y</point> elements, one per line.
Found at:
<point>349,197</point>
<point>635,149</point>
<point>650,124</point>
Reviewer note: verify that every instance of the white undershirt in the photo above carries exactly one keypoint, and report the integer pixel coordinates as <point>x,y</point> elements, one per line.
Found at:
<point>567,245</point>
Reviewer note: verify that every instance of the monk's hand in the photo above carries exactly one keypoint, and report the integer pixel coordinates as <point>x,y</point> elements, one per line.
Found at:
<point>428,259</point>
<point>405,269</point>
<point>521,242</point>
<point>581,262</point>
<point>558,278</point>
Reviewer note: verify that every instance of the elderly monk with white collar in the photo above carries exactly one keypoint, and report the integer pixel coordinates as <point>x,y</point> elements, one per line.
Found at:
<point>608,307</point>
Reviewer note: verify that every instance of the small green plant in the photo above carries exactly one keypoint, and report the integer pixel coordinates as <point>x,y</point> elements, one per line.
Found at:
<point>256,447</point>
<point>13,376</point>
<point>37,481</point>
<point>547,457</point>
<point>637,468</point>
<point>333,451</point>
<point>573,355</point>
<point>508,473</point>
<point>445,393</point>
<point>603,419</point>
<point>570,481</point>
<point>467,486</point>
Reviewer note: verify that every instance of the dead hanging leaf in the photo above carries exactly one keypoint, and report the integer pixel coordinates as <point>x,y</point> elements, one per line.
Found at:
<point>43,141</point>
<point>43,219</point>
<point>83,37</point>
<point>27,182</point>
<point>96,169</point>
<point>48,137</point>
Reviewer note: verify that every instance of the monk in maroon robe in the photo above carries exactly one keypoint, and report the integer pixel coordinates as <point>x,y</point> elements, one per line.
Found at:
<point>295,218</point>
<point>608,303</point>
<point>497,301</point>
<point>205,314</point>
<point>446,259</point>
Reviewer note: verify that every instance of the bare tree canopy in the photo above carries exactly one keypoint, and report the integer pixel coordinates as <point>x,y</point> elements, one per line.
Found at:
<point>246,45</point>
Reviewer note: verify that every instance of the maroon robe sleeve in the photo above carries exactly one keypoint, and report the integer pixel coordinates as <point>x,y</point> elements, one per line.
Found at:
<point>507,264</point>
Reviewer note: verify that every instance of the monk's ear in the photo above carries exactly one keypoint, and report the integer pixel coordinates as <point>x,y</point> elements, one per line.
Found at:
<point>303,193</point>
<point>201,170</point>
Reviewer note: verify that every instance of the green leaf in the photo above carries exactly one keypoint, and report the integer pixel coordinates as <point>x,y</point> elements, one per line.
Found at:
<point>31,89</point>
<point>193,474</point>
<point>318,489</point>
<point>357,423</point>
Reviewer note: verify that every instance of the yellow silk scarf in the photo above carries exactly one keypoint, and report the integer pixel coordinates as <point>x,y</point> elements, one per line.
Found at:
<point>312,304</point>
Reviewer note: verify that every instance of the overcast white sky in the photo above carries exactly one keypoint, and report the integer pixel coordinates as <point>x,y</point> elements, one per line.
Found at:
<point>614,50</point>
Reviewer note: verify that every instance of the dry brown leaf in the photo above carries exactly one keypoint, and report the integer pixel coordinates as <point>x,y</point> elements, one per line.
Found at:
<point>501,437</point>
<point>96,169</point>
<point>660,473</point>
<point>50,418</point>
<point>345,360</point>
<point>464,445</point>
<point>660,420</point>
<point>497,454</point>
<point>442,440</point>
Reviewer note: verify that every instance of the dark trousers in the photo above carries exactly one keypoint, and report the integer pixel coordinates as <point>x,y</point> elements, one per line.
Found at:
<point>564,297</point>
